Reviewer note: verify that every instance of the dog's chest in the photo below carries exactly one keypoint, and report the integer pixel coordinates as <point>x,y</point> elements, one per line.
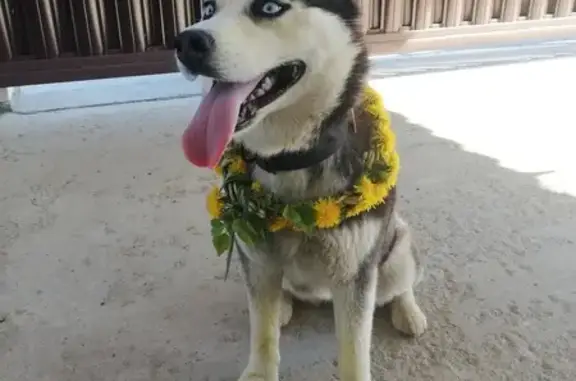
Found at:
<point>329,254</point>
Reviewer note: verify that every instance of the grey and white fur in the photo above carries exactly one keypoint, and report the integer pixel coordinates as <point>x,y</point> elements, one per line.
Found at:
<point>367,261</point>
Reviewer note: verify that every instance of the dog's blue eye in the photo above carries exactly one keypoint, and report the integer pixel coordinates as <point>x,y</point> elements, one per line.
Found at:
<point>208,9</point>
<point>268,8</point>
<point>271,8</point>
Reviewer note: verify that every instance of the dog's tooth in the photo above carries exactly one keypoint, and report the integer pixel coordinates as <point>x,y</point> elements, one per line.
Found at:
<point>252,97</point>
<point>260,92</point>
<point>267,84</point>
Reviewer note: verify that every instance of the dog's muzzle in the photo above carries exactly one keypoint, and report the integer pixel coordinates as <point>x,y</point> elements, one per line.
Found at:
<point>194,49</point>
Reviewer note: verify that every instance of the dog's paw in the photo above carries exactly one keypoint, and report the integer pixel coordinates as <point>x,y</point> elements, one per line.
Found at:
<point>285,310</point>
<point>408,318</point>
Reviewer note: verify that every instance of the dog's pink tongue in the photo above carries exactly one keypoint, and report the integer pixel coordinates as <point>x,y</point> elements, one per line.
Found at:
<point>213,124</point>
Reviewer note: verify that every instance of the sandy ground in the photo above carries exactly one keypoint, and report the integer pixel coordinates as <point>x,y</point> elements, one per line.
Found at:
<point>107,271</point>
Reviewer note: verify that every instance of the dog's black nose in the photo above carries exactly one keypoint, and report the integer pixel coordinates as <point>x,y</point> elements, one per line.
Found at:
<point>194,43</point>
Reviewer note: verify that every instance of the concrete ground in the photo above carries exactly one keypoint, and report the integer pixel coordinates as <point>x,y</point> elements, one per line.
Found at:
<point>107,271</point>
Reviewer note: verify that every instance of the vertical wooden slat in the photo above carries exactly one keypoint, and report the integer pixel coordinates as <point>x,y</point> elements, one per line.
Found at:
<point>40,28</point>
<point>365,17</point>
<point>194,6</point>
<point>188,13</point>
<point>110,26</point>
<point>20,34</point>
<point>423,12</point>
<point>525,9</point>
<point>169,22</point>
<point>87,27</point>
<point>376,14</point>
<point>497,9</point>
<point>131,25</point>
<point>438,12</point>
<point>564,8</point>
<point>551,8</point>
<point>125,24</point>
<point>408,15</point>
<point>454,11</point>
<point>64,26</point>
<point>103,29</point>
<point>180,16</point>
<point>88,24</point>
<point>146,20</point>
<point>174,16</point>
<point>95,26</point>
<point>511,10</point>
<point>468,15</point>
<point>50,27</point>
<point>379,13</point>
<point>138,15</point>
<point>156,36</point>
<point>537,9</point>
<point>483,12</point>
<point>6,51</point>
<point>34,30</point>
<point>394,15</point>
<point>80,25</point>
<point>56,18</point>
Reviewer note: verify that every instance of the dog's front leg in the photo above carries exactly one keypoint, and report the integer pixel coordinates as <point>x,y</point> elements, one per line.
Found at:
<point>354,303</point>
<point>264,285</point>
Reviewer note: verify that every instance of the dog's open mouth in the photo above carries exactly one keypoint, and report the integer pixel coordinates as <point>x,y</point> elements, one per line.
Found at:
<point>271,87</point>
<point>229,107</point>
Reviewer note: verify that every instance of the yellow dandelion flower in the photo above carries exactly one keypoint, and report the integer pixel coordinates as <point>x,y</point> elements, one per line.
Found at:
<point>385,140</point>
<point>371,194</point>
<point>381,190</point>
<point>327,213</point>
<point>213,203</point>
<point>256,186</point>
<point>278,223</point>
<point>237,165</point>
<point>218,170</point>
<point>373,103</point>
<point>368,191</point>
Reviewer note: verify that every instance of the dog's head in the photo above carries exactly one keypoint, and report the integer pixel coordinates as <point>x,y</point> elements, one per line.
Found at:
<point>275,69</point>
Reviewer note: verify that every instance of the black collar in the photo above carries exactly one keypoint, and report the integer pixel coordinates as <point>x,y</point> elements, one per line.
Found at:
<point>329,141</point>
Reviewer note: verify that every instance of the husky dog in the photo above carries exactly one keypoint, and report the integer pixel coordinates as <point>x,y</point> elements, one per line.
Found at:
<point>284,78</point>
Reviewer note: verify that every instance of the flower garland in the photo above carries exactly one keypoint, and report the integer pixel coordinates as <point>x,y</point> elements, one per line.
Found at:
<point>241,207</point>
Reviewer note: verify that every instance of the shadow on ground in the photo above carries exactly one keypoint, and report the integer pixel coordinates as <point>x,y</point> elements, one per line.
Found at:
<point>499,292</point>
<point>106,270</point>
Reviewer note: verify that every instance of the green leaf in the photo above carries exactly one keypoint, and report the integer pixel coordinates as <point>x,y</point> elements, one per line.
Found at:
<point>258,224</point>
<point>379,172</point>
<point>291,214</point>
<point>307,215</point>
<point>302,216</point>
<point>245,231</point>
<point>222,242</point>
<point>218,227</point>
<point>228,261</point>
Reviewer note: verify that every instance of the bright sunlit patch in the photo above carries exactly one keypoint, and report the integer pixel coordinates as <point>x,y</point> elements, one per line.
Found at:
<point>520,114</point>
<point>563,181</point>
